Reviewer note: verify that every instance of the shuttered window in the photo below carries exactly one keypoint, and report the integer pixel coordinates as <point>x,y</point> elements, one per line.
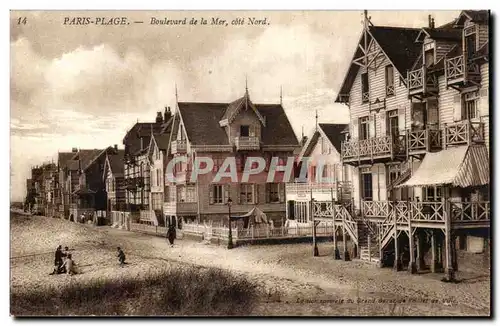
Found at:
<point>275,192</point>
<point>246,194</point>
<point>365,95</point>
<point>364,128</point>
<point>389,80</point>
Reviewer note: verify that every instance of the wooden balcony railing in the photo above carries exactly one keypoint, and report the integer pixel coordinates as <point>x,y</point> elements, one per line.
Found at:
<point>460,70</point>
<point>371,148</point>
<point>179,146</point>
<point>465,132</point>
<point>421,82</point>
<point>424,140</point>
<point>298,188</point>
<point>247,143</point>
<point>470,211</point>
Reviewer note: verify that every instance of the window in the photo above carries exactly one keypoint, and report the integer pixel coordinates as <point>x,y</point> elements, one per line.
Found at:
<point>393,123</point>
<point>156,201</point>
<point>219,194</point>
<point>244,131</point>
<point>470,105</point>
<point>470,45</point>
<point>158,178</point>
<point>218,160</point>
<point>367,185</point>
<point>274,192</point>
<point>364,128</point>
<point>300,212</point>
<point>432,194</point>
<point>186,194</point>
<point>389,80</point>
<point>246,193</point>
<point>429,54</point>
<point>365,95</point>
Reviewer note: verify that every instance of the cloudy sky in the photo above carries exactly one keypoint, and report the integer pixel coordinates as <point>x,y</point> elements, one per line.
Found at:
<point>84,86</point>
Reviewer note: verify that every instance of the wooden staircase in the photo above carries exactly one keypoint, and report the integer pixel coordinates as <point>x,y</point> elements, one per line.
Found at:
<point>368,242</point>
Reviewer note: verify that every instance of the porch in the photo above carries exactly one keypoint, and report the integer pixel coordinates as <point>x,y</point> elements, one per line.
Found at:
<point>319,191</point>
<point>247,143</point>
<point>422,141</point>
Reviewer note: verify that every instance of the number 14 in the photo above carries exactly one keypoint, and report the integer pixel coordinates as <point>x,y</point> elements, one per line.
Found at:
<point>21,20</point>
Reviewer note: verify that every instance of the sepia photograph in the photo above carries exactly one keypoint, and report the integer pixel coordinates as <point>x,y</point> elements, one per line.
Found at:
<point>326,163</point>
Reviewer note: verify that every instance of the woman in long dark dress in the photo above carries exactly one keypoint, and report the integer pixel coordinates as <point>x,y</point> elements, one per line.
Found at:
<point>171,234</point>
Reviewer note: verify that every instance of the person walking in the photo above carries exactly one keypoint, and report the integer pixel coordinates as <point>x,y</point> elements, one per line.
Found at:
<point>121,256</point>
<point>171,234</point>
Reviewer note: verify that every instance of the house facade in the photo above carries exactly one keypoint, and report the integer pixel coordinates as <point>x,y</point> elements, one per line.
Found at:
<point>418,100</point>
<point>327,179</point>
<point>114,181</point>
<point>228,132</point>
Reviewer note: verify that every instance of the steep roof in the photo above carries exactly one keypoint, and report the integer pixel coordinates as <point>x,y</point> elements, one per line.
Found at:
<point>162,140</point>
<point>398,43</point>
<point>85,156</point>
<point>480,16</point>
<point>334,132</point>
<point>201,121</point>
<point>447,33</point>
<point>63,158</point>
<point>140,129</point>
<point>116,162</point>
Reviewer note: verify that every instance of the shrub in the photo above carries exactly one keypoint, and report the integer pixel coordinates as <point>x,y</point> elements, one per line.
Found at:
<point>176,291</point>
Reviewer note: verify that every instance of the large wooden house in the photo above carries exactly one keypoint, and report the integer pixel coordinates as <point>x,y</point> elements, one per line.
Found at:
<point>330,182</point>
<point>137,162</point>
<point>418,101</point>
<point>64,160</point>
<point>235,130</point>
<point>114,181</point>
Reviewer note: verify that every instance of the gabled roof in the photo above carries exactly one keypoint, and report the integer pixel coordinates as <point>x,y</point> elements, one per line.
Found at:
<point>449,34</point>
<point>478,16</point>
<point>201,122</point>
<point>116,162</point>
<point>398,44</point>
<point>85,156</point>
<point>162,140</point>
<point>63,158</point>
<point>236,106</point>
<point>140,129</point>
<point>334,133</point>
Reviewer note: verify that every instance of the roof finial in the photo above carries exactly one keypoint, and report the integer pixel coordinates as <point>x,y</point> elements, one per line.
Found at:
<point>302,132</point>
<point>316,120</point>
<point>176,96</point>
<point>246,83</point>
<point>281,95</point>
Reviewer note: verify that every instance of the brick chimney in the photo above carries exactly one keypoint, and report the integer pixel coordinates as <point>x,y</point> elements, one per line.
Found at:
<point>430,21</point>
<point>116,147</point>
<point>167,114</point>
<point>74,150</point>
<point>159,117</point>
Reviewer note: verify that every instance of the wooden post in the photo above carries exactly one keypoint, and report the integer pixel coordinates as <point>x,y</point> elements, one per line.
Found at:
<point>434,251</point>
<point>412,267</point>
<point>420,254</point>
<point>315,246</point>
<point>336,253</point>
<point>369,249</point>
<point>346,253</point>
<point>396,244</point>
<point>448,238</point>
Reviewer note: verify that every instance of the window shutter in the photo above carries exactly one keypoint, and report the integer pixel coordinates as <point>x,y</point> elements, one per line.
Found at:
<point>401,120</point>
<point>268,192</point>
<point>226,193</point>
<point>483,103</point>
<point>211,194</point>
<point>355,129</point>
<point>251,131</point>
<point>255,193</point>
<point>383,123</point>
<point>240,188</point>
<point>282,192</point>
<point>457,108</point>
<point>371,133</point>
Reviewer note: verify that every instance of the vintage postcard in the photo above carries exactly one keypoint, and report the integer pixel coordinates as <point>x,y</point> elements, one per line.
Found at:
<point>250,163</point>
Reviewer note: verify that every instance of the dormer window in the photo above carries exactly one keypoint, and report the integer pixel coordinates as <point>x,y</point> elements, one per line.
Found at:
<point>470,40</point>
<point>244,131</point>
<point>429,57</point>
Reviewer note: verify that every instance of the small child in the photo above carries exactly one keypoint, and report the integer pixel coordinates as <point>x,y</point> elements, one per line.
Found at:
<point>69,265</point>
<point>121,256</point>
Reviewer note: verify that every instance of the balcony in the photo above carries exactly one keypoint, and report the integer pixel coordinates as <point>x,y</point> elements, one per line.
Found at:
<point>459,71</point>
<point>179,146</point>
<point>421,83</point>
<point>421,141</point>
<point>247,143</point>
<point>320,191</point>
<point>386,147</point>
<point>172,208</point>
<point>464,133</point>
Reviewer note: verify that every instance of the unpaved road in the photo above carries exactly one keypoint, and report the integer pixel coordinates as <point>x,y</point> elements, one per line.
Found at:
<point>308,285</point>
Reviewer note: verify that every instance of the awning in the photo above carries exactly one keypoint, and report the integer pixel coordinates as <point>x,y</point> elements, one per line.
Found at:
<point>462,166</point>
<point>258,216</point>
<point>84,191</point>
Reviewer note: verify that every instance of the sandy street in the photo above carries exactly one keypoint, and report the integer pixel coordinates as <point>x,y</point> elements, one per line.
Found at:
<point>309,285</point>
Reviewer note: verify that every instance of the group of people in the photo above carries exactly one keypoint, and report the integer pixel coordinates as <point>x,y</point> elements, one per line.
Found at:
<point>64,263</point>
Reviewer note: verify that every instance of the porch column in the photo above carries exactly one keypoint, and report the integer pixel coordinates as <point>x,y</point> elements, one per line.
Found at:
<point>336,253</point>
<point>346,253</point>
<point>434,250</point>
<point>449,248</point>
<point>397,265</point>
<point>454,262</point>
<point>315,245</point>
<point>412,266</point>
<point>420,251</point>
